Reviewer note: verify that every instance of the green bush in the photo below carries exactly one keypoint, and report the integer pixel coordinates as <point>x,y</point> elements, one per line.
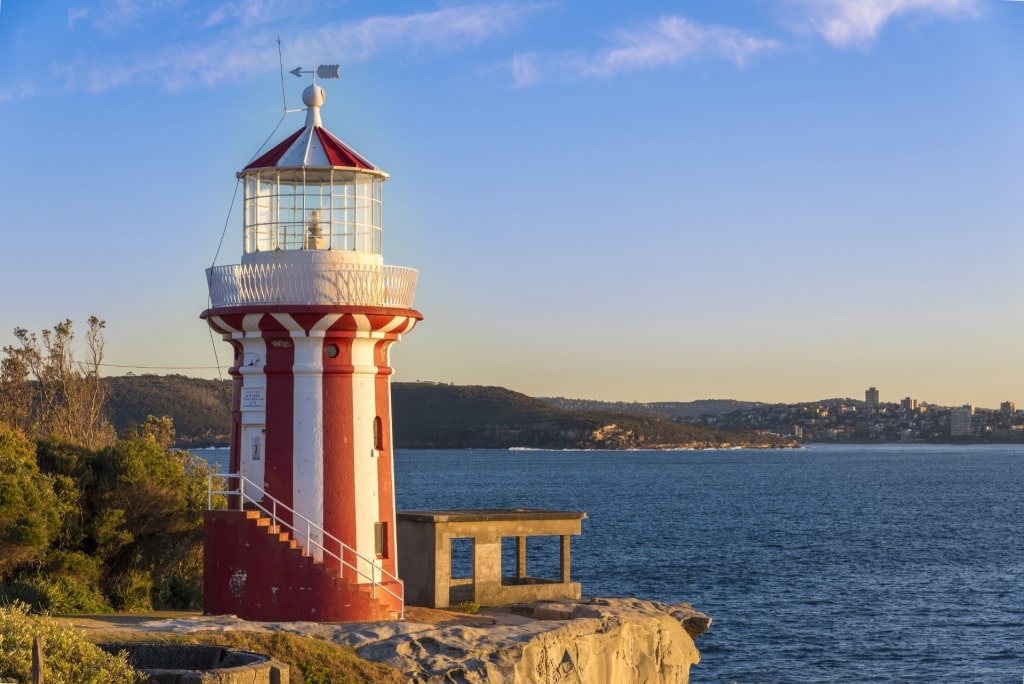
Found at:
<point>467,607</point>
<point>28,507</point>
<point>68,658</point>
<point>54,595</point>
<point>73,565</point>
<point>133,591</point>
<point>179,585</point>
<point>24,593</point>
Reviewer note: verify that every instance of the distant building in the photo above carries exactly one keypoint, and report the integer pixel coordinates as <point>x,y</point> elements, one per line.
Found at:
<point>871,397</point>
<point>960,421</point>
<point>1006,413</point>
<point>908,404</point>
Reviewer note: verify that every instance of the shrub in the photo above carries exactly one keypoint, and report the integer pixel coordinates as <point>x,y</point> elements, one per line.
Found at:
<point>132,591</point>
<point>179,585</point>
<point>67,656</point>
<point>28,507</point>
<point>73,565</point>
<point>467,607</point>
<point>54,595</point>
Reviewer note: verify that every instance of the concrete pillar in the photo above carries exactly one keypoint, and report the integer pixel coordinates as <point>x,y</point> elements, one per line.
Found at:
<point>486,561</point>
<point>520,557</point>
<point>565,560</point>
<point>442,569</point>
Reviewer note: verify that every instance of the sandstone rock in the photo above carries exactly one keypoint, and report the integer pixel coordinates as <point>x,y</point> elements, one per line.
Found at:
<point>586,641</point>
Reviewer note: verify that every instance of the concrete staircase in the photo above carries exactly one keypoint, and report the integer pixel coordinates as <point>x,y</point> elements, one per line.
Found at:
<point>259,571</point>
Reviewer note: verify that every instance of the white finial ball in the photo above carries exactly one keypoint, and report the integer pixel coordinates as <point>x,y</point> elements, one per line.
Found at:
<point>313,96</point>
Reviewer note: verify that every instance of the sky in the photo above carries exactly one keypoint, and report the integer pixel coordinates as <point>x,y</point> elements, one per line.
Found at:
<point>766,200</point>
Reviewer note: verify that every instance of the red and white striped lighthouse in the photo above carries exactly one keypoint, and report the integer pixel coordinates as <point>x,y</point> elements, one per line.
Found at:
<point>311,313</point>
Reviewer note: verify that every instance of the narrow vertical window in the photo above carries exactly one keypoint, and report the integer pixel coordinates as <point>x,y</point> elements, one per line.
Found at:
<point>380,539</point>
<point>378,433</point>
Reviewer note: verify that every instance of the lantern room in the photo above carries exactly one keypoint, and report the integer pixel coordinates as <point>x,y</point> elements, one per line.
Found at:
<point>312,193</point>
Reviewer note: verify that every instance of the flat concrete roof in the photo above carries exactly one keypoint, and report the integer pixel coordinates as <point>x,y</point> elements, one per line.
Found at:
<point>488,514</point>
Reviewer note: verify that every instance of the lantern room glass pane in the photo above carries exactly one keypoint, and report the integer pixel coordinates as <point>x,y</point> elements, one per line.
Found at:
<point>289,210</point>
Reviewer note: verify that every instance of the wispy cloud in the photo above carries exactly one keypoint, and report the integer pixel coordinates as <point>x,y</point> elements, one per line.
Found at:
<point>665,42</point>
<point>250,12</point>
<point>446,30</point>
<point>858,22</point>
<point>234,48</point>
<point>113,15</point>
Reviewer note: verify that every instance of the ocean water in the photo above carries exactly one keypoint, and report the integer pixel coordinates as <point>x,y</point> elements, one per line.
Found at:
<point>838,563</point>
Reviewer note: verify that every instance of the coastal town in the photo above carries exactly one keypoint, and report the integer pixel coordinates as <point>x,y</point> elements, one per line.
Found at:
<point>872,420</point>
<point>834,420</point>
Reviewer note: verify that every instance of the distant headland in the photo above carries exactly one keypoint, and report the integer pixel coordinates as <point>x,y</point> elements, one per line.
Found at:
<point>432,415</point>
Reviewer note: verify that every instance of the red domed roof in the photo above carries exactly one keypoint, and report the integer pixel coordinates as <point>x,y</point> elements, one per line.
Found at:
<point>312,145</point>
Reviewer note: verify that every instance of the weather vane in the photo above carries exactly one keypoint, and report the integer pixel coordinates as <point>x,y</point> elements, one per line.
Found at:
<point>323,71</point>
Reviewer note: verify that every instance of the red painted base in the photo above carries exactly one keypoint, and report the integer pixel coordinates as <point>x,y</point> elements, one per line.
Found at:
<point>254,573</point>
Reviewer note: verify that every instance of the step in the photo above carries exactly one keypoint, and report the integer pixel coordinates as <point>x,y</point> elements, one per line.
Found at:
<point>283,535</point>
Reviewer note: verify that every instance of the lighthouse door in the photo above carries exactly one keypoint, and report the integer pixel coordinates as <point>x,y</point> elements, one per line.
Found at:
<point>253,457</point>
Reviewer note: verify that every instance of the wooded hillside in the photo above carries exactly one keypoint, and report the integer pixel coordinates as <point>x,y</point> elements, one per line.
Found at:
<point>201,409</point>
<point>426,415</point>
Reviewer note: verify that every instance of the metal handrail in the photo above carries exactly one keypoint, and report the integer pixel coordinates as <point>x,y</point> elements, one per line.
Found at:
<point>311,527</point>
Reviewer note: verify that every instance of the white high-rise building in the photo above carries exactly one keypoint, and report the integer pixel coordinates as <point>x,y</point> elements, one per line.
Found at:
<point>871,397</point>
<point>960,421</point>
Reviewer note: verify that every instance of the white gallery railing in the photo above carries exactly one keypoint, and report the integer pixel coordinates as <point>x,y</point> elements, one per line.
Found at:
<point>284,283</point>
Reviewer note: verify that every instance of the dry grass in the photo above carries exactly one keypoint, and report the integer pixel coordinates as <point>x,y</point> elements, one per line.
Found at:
<point>310,660</point>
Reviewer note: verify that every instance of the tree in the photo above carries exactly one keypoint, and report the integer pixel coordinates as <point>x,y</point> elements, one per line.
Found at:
<point>15,393</point>
<point>149,502</point>
<point>29,517</point>
<point>158,430</point>
<point>46,392</point>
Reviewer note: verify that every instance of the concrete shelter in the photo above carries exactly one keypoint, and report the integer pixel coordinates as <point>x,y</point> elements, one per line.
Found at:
<point>425,564</point>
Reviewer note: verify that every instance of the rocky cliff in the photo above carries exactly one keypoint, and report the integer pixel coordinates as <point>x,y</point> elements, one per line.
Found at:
<point>587,641</point>
<point>592,641</point>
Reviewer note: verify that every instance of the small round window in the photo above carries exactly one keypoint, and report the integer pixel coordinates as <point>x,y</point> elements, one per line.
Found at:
<point>331,350</point>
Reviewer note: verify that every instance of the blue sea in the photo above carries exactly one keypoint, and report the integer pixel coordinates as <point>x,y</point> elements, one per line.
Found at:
<point>837,563</point>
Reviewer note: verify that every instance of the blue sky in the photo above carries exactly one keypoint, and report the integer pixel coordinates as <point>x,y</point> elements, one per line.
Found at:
<point>774,200</point>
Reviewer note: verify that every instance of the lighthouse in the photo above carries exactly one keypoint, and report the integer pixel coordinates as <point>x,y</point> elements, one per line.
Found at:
<point>311,313</point>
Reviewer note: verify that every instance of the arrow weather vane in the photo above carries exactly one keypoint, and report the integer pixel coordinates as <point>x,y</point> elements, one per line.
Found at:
<point>323,71</point>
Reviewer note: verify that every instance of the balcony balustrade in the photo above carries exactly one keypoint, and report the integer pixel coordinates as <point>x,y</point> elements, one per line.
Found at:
<point>332,284</point>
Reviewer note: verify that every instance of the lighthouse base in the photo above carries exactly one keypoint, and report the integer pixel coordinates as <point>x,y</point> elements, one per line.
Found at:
<point>251,571</point>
